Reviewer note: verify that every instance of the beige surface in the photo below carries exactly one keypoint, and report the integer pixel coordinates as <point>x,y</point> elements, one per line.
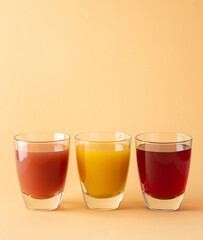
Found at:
<point>72,66</point>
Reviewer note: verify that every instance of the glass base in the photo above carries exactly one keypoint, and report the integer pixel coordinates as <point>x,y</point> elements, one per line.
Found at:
<point>103,203</point>
<point>42,204</point>
<point>159,204</point>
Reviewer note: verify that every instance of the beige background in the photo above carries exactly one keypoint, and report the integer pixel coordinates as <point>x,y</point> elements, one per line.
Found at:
<point>74,65</point>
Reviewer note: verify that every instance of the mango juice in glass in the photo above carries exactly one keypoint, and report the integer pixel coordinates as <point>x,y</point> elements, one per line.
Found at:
<point>103,162</point>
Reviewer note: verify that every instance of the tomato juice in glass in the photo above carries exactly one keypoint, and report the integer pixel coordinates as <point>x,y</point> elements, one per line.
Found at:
<point>42,163</point>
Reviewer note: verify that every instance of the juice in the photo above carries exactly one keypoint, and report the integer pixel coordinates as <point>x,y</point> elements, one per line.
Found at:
<point>42,168</point>
<point>103,168</point>
<point>163,169</point>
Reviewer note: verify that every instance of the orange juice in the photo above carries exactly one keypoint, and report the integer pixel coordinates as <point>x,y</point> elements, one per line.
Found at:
<point>103,168</point>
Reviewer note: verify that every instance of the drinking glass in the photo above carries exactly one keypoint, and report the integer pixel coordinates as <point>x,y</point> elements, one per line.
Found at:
<point>163,161</point>
<point>103,161</point>
<point>42,162</point>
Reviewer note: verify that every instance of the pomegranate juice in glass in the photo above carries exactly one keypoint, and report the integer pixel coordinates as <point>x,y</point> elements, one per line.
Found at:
<point>163,161</point>
<point>42,162</point>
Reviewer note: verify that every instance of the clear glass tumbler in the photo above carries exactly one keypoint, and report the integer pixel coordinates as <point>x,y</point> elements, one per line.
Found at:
<point>42,163</point>
<point>103,162</point>
<point>163,161</point>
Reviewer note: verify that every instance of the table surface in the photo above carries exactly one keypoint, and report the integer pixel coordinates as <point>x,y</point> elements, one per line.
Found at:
<point>73,220</point>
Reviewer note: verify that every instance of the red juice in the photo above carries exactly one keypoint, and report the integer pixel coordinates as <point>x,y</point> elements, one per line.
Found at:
<point>42,169</point>
<point>163,169</point>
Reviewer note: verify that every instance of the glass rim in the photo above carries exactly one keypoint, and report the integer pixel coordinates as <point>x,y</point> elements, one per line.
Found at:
<point>128,138</point>
<point>67,137</point>
<point>163,142</point>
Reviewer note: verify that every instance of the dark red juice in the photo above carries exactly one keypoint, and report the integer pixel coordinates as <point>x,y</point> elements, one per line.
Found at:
<point>163,169</point>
